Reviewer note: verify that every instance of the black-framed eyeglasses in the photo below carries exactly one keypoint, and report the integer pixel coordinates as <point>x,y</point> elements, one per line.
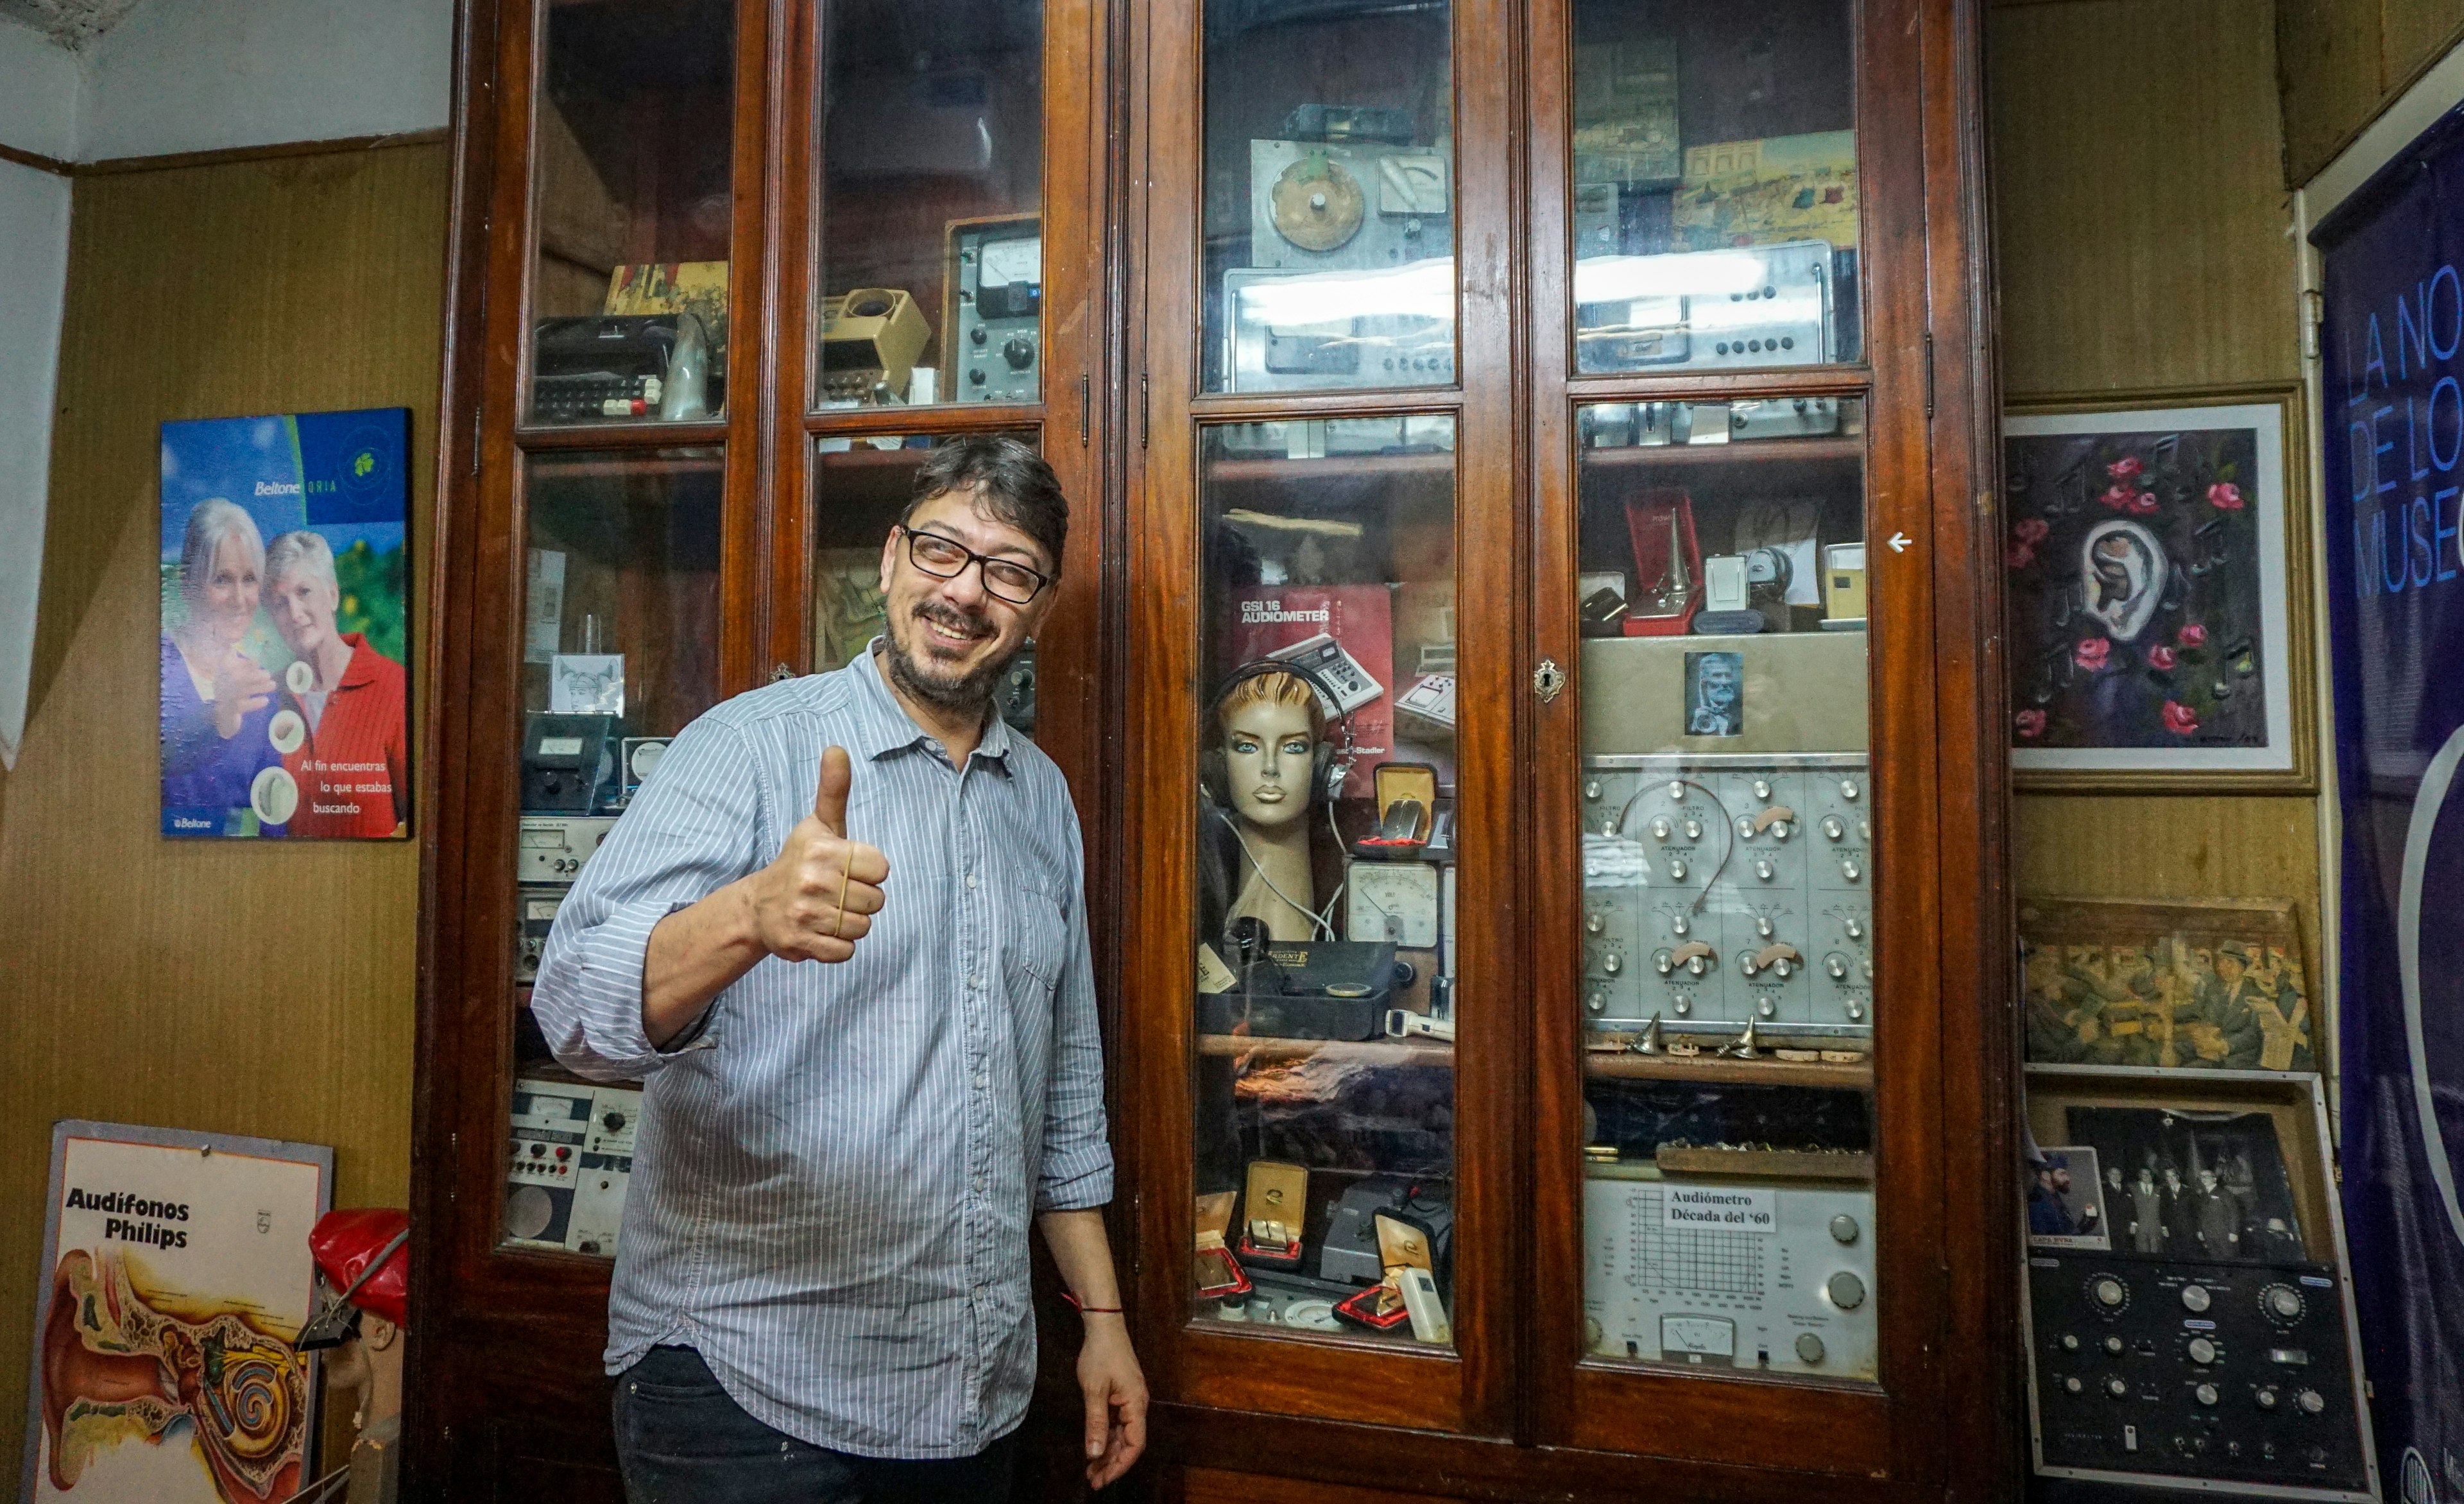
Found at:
<point>947,559</point>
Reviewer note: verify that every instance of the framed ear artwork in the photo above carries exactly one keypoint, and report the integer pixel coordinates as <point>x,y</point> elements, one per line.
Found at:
<point>2157,580</point>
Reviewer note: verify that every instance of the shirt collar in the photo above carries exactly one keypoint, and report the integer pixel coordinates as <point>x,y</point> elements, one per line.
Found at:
<point>883,725</point>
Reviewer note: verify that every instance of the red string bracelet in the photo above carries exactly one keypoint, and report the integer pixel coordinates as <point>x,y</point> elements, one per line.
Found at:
<point>1087,1310</point>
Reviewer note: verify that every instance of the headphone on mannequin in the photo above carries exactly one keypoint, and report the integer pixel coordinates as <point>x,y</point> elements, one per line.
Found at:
<point>1331,761</point>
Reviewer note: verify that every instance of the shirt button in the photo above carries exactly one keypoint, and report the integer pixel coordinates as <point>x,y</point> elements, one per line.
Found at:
<point>971,880</point>
<point>973,982</point>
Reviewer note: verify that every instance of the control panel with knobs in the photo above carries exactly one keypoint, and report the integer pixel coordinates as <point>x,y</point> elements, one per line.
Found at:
<point>1729,891</point>
<point>2229,1374</point>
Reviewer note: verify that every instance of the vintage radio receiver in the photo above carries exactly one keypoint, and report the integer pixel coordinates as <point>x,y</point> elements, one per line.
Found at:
<point>1718,891</point>
<point>1305,989</point>
<point>1350,205</point>
<point>534,910</point>
<point>996,280</point>
<point>570,1164</point>
<point>553,848</point>
<point>1729,1273</point>
<point>870,338</point>
<point>620,367</point>
<point>569,762</point>
<point>1749,306</point>
<point>1288,331</point>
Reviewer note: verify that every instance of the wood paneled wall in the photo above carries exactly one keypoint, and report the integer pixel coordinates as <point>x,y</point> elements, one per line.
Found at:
<point>2345,61</point>
<point>237,987</point>
<point>2145,242</point>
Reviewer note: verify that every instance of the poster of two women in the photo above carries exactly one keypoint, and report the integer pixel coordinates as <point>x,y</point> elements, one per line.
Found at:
<point>285,574</point>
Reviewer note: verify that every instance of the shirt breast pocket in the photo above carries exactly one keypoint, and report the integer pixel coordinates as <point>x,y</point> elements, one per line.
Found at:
<point>1034,937</point>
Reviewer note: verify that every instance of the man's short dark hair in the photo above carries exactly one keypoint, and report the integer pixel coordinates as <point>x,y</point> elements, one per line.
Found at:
<point>1012,482</point>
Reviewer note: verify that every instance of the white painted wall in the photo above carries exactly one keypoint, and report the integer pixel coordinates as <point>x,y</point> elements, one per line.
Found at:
<point>34,247</point>
<point>208,75</point>
<point>38,93</point>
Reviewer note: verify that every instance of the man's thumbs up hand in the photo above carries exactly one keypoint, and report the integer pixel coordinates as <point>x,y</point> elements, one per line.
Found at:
<point>817,899</point>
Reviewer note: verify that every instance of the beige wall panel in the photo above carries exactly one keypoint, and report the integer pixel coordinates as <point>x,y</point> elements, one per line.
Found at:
<point>2140,212</point>
<point>2415,34</point>
<point>2333,81</point>
<point>243,987</point>
<point>2172,846</point>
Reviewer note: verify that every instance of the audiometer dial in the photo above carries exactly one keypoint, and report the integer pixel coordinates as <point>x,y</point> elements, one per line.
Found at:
<point>2108,1294</point>
<point>2283,1304</point>
<point>1318,205</point>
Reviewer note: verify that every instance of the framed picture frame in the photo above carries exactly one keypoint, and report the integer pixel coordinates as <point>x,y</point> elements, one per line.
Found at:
<point>2157,586</point>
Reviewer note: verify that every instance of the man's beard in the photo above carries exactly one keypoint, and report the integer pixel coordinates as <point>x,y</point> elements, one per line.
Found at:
<point>966,694</point>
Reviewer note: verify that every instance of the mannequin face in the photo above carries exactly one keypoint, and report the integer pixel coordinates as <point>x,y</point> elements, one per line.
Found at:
<point>1266,748</point>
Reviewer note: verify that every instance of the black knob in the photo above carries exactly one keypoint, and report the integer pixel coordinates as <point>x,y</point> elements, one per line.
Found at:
<point>1020,351</point>
<point>613,1123</point>
<point>978,335</point>
<point>976,376</point>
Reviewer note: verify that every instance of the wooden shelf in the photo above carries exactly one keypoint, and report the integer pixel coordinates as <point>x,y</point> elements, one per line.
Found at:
<point>1424,1052</point>
<point>1267,469</point>
<point>1835,450</point>
<point>1726,1071</point>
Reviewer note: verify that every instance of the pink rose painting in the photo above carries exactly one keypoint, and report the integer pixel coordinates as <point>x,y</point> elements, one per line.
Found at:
<point>2137,617</point>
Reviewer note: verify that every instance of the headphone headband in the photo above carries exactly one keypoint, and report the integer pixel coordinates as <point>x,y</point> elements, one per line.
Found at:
<point>1342,754</point>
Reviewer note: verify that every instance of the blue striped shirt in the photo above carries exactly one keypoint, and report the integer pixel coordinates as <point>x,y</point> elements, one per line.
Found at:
<point>836,1164</point>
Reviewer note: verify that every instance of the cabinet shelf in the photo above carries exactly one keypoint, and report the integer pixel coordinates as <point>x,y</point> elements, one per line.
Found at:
<point>1835,450</point>
<point>1728,1071</point>
<point>1428,1054</point>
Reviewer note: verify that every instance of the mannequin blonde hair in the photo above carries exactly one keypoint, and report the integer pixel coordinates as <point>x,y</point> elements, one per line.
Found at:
<point>1280,689</point>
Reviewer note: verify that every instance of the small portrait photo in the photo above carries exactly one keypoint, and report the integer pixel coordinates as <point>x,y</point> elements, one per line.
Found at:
<point>1715,695</point>
<point>2066,1202</point>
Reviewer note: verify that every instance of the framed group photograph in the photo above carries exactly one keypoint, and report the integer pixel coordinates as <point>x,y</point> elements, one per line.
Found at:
<point>2157,580</point>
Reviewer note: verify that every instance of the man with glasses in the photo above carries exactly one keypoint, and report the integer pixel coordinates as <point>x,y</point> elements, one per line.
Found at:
<point>840,933</point>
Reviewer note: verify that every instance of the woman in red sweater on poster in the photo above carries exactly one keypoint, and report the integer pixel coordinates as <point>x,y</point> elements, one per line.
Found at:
<point>352,758</point>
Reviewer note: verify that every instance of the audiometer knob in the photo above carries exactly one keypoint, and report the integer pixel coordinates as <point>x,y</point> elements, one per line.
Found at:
<point>1681,925</point>
<point>1595,923</point>
<point>1697,966</point>
<point>1844,1230</point>
<point>1849,870</point>
<point>1660,829</point>
<point>2116,1388</point>
<point>1765,1008</point>
<point>2114,1346</point>
<point>1677,789</point>
<point>2070,1345</point>
<point>976,376</point>
<point>1808,1348</point>
<point>613,1123</point>
<point>1764,869</point>
<point>1693,830</point>
<point>2205,1394</point>
<point>2266,1398</point>
<point>1663,962</point>
<point>1745,826</point>
<point>1848,788</point>
<point>1597,1001</point>
<point>1613,964</point>
<point>1847,1291</point>
<point>1784,968</point>
<point>2072,1384</point>
<point>2109,1292</point>
<point>1856,1010</point>
<point>1837,965</point>
<point>1762,788</point>
<point>1018,351</point>
<point>2283,1303</point>
<point>1591,789</point>
<point>1833,827</point>
<point>1677,867</point>
<point>978,335</point>
<point>2202,1351</point>
<point>1853,926</point>
<point>1763,925</point>
<point>1779,829</point>
<point>2311,1400</point>
<point>1681,1004</point>
<point>2195,1299</point>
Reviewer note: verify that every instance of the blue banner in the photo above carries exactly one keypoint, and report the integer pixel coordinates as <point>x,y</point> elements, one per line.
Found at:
<point>2392,349</point>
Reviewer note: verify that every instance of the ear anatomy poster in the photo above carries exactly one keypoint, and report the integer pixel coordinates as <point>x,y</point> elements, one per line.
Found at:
<point>177,1272</point>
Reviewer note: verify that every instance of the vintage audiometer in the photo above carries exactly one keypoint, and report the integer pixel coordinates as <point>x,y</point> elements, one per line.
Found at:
<point>2198,1333</point>
<point>620,367</point>
<point>995,277</point>
<point>1741,307</point>
<point>569,1165</point>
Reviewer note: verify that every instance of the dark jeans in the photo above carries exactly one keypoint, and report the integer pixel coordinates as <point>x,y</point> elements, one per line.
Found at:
<point>683,1441</point>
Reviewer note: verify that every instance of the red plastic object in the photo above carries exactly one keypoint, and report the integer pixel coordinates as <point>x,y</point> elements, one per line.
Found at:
<point>1646,527</point>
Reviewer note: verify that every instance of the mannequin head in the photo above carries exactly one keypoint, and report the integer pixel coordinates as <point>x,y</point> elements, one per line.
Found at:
<point>361,1314</point>
<point>1269,728</point>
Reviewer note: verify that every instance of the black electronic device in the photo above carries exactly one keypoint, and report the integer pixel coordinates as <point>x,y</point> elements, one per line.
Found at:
<point>1349,1252</point>
<point>1313,989</point>
<point>996,289</point>
<point>569,762</point>
<point>2220,1372</point>
<point>1349,122</point>
<point>1015,694</point>
<point>620,367</point>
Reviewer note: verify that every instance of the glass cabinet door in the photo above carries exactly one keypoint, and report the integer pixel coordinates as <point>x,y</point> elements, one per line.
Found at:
<point>620,629</point>
<point>1725,831</point>
<point>1714,196</point>
<point>1325,841</point>
<point>632,212</point>
<point>930,276</point>
<point>1329,235</point>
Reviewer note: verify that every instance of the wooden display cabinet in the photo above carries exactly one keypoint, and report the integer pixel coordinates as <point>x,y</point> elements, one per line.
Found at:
<point>1551,360</point>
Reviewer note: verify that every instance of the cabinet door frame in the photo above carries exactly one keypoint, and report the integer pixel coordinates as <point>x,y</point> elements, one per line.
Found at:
<point>1469,1389</point>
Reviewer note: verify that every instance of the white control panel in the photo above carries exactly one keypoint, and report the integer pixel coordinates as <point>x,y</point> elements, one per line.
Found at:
<point>571,1162</point>
<point>1729,1273</point>
<point>1719,891</point>
<point>554,847</point>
